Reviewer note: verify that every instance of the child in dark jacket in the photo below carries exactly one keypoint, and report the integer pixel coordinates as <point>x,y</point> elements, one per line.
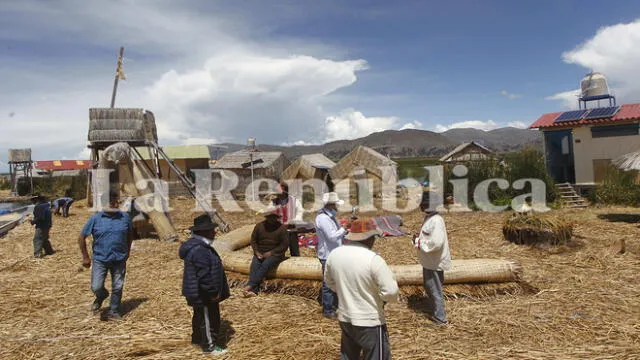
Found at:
<point>204,284</point>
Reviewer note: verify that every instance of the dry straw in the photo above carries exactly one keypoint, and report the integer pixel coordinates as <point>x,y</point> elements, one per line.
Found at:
<point>575,301</point>
<point>537,228</point>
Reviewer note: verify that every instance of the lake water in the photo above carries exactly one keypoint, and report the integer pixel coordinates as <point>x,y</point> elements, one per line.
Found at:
<point>11,205</point>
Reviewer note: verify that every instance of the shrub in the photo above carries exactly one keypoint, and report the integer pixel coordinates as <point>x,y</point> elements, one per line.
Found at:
<point>618,188</point>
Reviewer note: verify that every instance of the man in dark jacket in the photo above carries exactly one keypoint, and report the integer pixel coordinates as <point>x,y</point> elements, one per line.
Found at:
<point>269,242</point>
<point>42,221</point>
<point>204,284</point>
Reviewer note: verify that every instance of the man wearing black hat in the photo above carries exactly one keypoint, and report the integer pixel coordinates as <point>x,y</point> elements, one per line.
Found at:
<point>204,284</point>
<point>42,221</point>
<point>432,245</point>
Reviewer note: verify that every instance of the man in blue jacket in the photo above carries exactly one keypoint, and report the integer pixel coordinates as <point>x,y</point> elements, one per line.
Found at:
<point>204,284</point>
<point>42,221</point>
<point>112,234</point>
<point>62,204</point>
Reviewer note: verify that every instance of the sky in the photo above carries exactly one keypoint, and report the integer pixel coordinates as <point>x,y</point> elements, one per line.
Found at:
<point>302,71</point>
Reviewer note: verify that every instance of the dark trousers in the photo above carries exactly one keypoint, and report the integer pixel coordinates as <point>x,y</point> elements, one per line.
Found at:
<point>329,298</point>
<point>294,247</point>
<point>373,341</point>
<point>65,208</point>
<point>259,270</point>
<point>41,242</point>
<point>205,325</point>
<point>433,281</point>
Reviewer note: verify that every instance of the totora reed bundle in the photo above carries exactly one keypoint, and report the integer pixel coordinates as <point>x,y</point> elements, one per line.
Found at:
<point>527,229</point>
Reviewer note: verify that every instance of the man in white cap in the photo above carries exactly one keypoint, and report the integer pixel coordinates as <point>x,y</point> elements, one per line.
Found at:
<point>364,283</point>
<point>330,235</point>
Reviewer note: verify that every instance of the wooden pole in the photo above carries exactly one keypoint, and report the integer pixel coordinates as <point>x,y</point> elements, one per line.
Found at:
<point>118,74</point>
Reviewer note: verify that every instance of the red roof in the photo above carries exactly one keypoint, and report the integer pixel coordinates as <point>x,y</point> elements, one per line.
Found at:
<point>53,165</point>
<point>627,112</point>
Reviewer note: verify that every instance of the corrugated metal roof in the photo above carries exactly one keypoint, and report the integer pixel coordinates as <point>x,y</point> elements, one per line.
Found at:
<point>236,159</point>
<point>461,147</point>
<point>627,112</point>
<point>55,165</point>
<point>180,152</point>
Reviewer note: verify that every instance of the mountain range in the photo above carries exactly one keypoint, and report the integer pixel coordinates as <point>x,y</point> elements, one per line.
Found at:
<point>413,142</point>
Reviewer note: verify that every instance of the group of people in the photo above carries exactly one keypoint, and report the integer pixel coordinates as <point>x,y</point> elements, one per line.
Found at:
<point>357,281</point>
<point>42,220</point>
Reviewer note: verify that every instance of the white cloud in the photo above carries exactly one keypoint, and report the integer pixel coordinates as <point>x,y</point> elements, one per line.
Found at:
<point>412,125</point>
<point>298,143</point>
<point>614,51</point>
<point>509,95</point>
<point>84,154</point>
<point>199,141</point>
<point>518,124</point>
<point>474,124</point>
<point>204,74</point>
<point>351,124</point>
<point>569,98</point>
<point>242,94</point>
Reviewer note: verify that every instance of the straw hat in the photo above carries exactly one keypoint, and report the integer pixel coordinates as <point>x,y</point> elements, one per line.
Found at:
<point>331,198</point>
<point>362,229</point>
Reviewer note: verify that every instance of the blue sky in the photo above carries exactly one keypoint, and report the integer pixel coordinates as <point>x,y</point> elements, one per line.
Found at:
<point>302,71</point>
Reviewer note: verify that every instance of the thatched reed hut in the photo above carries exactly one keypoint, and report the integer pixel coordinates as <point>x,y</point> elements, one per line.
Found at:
<point>265,165</point>
<point>466,152</point>
<point>307,167</point>
<point>364,163</point>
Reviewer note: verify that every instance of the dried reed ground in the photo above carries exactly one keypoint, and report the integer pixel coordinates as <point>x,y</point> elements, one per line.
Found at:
<point>586,307</point>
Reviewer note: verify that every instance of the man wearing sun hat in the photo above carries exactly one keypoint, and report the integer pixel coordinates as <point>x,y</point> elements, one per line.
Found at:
<point>364,283</point>
<point>204,284</point>
<point>330,235</point>
<point>269,241</point>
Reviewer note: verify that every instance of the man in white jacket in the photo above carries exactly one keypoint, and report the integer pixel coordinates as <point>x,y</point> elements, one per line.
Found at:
<point>330,235</point>
<point>364,283</point>
<point>432,244</point>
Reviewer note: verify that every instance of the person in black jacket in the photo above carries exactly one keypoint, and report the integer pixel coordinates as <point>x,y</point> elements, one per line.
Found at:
<point>42,220</point>
<point>204,284</point>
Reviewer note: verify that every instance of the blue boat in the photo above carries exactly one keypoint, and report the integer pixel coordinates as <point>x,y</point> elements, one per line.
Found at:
<point>13,217</point>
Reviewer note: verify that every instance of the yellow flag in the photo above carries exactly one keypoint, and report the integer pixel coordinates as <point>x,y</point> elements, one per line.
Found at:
<point>120,72</point>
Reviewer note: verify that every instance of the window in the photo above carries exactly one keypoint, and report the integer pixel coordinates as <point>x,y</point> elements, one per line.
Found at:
<point>615,130</point>
<point>565,145</point>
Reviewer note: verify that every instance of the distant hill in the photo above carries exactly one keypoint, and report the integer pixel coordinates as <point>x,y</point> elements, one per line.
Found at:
<point>414,143</point>
<point>501,140</point>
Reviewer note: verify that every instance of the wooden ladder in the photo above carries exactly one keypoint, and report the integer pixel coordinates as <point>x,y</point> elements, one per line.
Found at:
<point>568,196</point>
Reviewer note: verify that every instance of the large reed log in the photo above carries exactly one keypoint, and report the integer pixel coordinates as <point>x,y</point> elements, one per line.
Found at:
<point>305,268</point>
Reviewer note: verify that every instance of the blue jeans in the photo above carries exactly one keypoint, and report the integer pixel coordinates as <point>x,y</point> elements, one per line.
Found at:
<point>433,280</point>
<point>329,298</point>
<point>259,270</point>
<point>118,271</point>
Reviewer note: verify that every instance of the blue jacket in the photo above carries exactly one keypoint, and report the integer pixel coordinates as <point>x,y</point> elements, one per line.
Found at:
<point>42,215</point>
<point>204,276</point>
